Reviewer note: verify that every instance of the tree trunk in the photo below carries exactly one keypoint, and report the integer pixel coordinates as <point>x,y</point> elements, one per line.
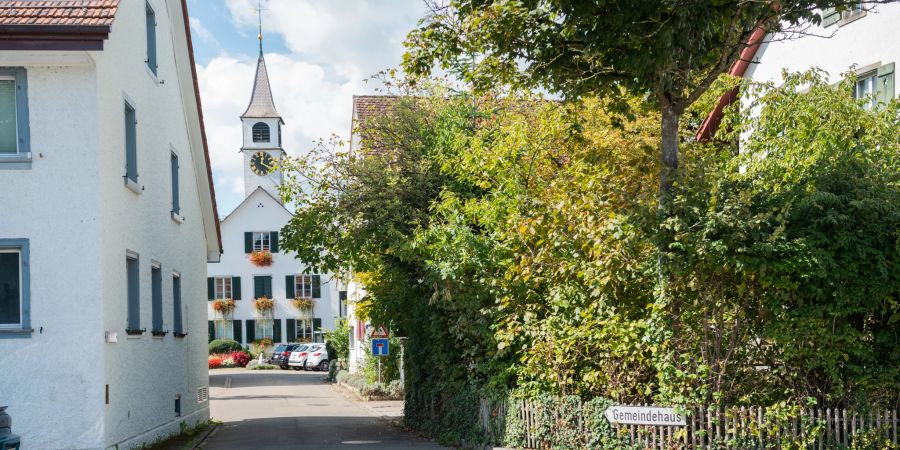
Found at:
<point>669,169</point>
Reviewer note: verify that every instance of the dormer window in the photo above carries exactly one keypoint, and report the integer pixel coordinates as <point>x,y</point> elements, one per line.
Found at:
<point>261,132</point>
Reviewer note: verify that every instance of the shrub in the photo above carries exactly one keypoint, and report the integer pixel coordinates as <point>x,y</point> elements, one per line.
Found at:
<point>240,358</point>
<point>395,389</point>
<point>221,346</point>
<point>264,367</point>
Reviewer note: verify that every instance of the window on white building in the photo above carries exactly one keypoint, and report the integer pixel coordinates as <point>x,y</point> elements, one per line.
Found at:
<point>224,329</point>
<point>265,329</point>
<point>303,286</point>
<point>14,126</point>
<point>867,87</point>
<point>12,298</point>
<point>305,330</point>
<point>223,288</point>
<point>261,241</point>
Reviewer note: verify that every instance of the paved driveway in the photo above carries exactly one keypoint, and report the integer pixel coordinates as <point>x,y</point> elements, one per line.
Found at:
<point>287,409</point>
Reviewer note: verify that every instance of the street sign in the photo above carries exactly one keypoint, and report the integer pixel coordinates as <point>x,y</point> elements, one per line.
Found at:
<point>644,415</point>
<point>380,347</point>
<point>380,332</point>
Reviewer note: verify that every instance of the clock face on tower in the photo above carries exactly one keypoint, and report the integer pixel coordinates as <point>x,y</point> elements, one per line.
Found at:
<point>261,163</point>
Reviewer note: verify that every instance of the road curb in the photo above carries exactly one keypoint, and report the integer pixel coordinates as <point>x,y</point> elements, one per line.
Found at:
<point>198,443</point>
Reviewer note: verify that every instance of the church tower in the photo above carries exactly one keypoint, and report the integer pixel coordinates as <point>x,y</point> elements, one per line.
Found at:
<point>262,135</point>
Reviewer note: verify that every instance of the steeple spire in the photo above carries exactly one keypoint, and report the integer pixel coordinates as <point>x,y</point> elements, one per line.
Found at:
<point>261,103</point>
<point>260,36</point>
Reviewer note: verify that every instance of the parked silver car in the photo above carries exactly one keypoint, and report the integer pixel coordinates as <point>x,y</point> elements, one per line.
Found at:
<point>297,360</point>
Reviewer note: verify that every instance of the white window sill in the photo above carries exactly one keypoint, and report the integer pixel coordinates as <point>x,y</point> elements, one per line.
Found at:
<point>15,162</point>
<point>177,217</point>
<point>153,76</point>
<point>131,184</point>
<point>16,332</point>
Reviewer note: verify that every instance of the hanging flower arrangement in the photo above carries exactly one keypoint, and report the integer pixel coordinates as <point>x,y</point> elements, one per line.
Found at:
<point>263,304</point>
<point>262,258</point>
<point>304,305</point>
<point>223,305</point>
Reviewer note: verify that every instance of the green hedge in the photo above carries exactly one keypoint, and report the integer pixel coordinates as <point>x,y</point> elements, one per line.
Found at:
<point>224,346</point>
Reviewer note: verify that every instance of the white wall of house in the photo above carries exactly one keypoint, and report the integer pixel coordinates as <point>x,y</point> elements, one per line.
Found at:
<point>81,219</point>
<point>261,212</point>
<point>867,41</point>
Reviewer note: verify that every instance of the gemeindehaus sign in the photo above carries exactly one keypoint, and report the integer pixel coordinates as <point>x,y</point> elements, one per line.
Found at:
<point>644,415</point>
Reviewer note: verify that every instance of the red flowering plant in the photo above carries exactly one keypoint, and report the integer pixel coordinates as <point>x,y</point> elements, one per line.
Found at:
<point>215,361</point>
<point>261,258</point>
<point>240,358</point>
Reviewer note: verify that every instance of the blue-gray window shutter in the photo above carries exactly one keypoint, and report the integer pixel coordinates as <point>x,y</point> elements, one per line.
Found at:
<point>176,304</point>
<point>276,330</point>
<point>156,298</point>
<point>236,324</point>
<point>317,286</point>
<point>273,242</point>
<point>210,288</point>
<point>291,330</point>
<point>248,241</point>
<point>317,327</point>
<point>130,143</point>
<point>236,288</point>
<point>251,330</point>
<point>151,38</point>
<point>176,201</point>
<point>134,300</point>
<point>289,287</point>
<point>212,330</point>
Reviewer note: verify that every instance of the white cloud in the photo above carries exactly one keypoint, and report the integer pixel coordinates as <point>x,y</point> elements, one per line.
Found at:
<point>199,30</point>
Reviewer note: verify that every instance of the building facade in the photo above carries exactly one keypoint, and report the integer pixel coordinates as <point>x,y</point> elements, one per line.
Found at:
<point>258,291</point>
<point>107,221</point>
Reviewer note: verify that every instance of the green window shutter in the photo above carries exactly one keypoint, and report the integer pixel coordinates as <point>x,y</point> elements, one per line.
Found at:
<point>273,242</point>
<point>212,330</point>
<point>317,328</point>
<point>886,83</point>
<point>258,288</point>
<point>291,330</point>
<point>248,241</point>
<point>267,286</point>
<point>276,330</point>
<point>289,287</point>
<point>317,286</point>
<point>236,288</point>
<point>251,331</point>
<point>830,16</point>
<point>210,288</point>
<point>236,324</point>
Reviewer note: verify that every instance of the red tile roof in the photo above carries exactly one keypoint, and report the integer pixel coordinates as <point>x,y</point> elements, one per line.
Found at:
<point>59,12</point>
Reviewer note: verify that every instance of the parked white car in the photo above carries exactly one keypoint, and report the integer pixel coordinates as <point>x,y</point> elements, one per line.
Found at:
<point>297,360</point>
<point>317,358</point>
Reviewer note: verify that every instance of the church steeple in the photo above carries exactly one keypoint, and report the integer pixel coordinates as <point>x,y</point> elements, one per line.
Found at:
<point>262,134</point>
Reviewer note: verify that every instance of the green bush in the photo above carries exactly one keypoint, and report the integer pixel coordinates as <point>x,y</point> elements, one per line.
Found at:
<point>222,346</point>
<point>264,367</point>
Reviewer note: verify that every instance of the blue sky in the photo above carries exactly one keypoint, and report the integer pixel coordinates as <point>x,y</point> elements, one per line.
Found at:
<point>318,53</point>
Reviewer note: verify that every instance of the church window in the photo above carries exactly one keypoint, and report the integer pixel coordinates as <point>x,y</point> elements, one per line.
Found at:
<point>261,132</point>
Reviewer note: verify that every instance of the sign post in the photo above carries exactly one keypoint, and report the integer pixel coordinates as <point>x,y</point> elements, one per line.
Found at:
<point>644,415</point>
<point>380,347</point>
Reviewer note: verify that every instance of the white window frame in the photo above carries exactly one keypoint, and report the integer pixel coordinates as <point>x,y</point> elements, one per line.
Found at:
<point>265,328</point>
<point>303,286</point>
<point>262,241</point>
<point>305,331</point>
<point>224,329</point>
<point>224,288</point>
<point>21,323</point>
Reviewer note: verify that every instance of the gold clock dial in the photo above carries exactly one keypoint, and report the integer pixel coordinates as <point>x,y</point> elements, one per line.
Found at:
<point>261,163</point>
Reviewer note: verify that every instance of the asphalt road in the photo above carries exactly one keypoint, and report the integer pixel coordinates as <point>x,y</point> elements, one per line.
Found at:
<point>296,410</point>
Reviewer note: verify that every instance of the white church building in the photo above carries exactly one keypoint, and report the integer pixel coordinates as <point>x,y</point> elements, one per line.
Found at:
<point>107,220</point>
<point>258,291</point>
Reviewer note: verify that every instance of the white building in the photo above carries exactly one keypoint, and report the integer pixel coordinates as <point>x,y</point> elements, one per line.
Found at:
<point>254,227</point>
<point>107,220</point>
<point>861,40</point>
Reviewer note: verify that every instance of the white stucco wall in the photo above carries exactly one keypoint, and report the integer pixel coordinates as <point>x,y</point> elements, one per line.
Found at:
<point>80,219</point>
<point>55,376</point>
<point>146,373</point>
<point>261,212</point>
<point>863,42</point>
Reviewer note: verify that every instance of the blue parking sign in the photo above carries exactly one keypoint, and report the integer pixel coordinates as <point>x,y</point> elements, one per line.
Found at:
<point>380,347</point>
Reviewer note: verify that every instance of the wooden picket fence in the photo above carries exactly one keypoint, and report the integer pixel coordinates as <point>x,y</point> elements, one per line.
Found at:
<point>708,428</point>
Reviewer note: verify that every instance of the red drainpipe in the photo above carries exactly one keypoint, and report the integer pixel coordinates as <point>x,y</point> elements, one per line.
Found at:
<point>711,123</point>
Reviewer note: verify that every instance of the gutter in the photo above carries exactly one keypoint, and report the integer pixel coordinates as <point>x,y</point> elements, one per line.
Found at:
<point>53,37</point>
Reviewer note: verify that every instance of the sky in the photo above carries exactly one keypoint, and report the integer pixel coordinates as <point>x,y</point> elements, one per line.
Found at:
<point>318,53</point>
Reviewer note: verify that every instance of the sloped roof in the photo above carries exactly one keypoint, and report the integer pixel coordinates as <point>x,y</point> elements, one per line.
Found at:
<point>65,12</point>
<point>365,107</point>
<point>252,194</point>
<point>261,103</point>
